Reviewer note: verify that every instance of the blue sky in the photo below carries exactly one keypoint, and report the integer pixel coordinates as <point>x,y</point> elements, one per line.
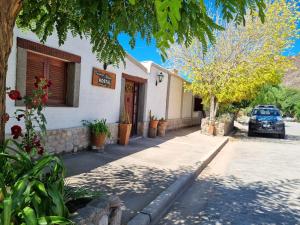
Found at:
<point>143,52</point>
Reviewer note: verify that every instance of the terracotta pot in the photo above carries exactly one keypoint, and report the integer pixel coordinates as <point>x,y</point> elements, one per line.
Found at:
<point>152,132</point>
<point>153,124</point>
<point>98,140</point>
<point>211,129</point>
<point>124,133</point>
<point>161,129</point>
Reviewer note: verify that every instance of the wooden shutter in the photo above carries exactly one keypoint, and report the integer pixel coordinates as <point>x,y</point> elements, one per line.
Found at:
<point>36,67</point>
<point>58,76</point>
<point>52,69</point>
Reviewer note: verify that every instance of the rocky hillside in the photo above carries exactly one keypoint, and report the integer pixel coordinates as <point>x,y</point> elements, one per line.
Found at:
<point>292,78</point>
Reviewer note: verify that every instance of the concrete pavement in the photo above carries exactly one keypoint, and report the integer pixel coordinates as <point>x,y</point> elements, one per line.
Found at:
<point>139,172</point>
<point>251,181</point>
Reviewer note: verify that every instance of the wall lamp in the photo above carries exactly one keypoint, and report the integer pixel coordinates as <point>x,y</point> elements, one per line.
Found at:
<point>160,78</point>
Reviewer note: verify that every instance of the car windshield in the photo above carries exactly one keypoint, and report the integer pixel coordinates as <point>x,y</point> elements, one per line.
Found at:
<point>265,112</point>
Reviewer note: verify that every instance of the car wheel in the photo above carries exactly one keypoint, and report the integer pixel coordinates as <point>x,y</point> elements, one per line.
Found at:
<point>282,136</point>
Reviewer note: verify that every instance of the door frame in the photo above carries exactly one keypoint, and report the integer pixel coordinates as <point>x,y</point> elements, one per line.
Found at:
<point>141,100</point>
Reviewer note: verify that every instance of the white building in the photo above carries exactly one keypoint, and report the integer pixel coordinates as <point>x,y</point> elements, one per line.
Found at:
<point>76,96</point>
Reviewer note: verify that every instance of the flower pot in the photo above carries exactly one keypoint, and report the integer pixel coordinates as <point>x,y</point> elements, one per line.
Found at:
<point>153,124</point>
<point>124,133</point>
<point>152,132</point>
<point>161,128</point>
<point>211,129</point>
<point>98,140</point>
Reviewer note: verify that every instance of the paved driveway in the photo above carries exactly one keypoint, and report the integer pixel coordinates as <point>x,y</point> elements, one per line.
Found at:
<point>252,181</point>
<point>140,171</point>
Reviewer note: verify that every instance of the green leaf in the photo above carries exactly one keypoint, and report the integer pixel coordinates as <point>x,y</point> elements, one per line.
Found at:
<point>47,220</point>
<point>29,216</point>
<point>41,164</point>
<point>132,2</point>
<point>7,211</point>
<point>40,187</point>
<point>58,207</point>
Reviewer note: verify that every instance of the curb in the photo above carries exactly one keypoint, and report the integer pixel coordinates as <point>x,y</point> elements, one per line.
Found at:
<point>159,206</point>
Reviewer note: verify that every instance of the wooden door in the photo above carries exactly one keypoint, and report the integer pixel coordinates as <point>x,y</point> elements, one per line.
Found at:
<point>131,103</point>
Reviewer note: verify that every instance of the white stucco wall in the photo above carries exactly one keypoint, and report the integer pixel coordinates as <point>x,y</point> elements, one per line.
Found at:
<point>95,102</point>
<point>157,94</point>
<point>175,95</point>
<point>187,104</point>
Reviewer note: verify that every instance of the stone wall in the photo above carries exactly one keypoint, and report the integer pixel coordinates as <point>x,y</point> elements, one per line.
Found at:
<point>222,127</point>
<point>174,124</point>
<point>99,212</point>
<point>74,139</point>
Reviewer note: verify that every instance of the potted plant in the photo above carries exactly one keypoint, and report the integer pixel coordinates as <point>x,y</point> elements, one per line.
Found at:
<point>99,132</point>
<point>152,132</point>
<point>153,121</point>
<point>124,129</point>
<point>161,128</point>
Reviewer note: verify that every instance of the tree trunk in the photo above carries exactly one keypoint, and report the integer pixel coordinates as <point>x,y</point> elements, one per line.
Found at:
<point>9,10</point>
<point>214,105</point>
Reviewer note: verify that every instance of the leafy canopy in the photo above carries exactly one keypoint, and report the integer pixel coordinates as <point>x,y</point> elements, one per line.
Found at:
<point>243,59</point>
<point>287,99</point>
<point>103,20</point>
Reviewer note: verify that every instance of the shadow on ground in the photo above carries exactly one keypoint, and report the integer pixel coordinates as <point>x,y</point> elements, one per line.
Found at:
<point>231,201</point>
<point>137,183</point>
<point>88,160</point>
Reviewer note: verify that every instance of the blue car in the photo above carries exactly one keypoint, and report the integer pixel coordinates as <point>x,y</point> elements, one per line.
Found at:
<point>266,119</point>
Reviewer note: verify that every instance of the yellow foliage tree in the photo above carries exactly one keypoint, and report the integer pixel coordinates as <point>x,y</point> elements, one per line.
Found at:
<point>242,60</point>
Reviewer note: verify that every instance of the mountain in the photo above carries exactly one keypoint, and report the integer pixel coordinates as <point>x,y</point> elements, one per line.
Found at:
<point>292,77</point>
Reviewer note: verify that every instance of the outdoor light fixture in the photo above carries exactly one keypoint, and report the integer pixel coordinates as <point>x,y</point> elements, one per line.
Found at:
<point>160,78</point>
<point>105,66</point>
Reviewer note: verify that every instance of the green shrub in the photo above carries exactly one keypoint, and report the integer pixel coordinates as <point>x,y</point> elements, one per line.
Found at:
<point>286,99</point>
<point>297,111</point>
<point>31,181</point>
<point>32,185</point>
<point>97,127</point>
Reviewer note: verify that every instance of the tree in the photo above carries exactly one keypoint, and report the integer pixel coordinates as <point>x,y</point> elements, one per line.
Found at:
<point>243,58</point>
<point>103,20</point>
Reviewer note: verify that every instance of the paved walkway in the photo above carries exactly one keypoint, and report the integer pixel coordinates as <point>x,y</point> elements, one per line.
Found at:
<point>143,169</point>
<point>251,181</point>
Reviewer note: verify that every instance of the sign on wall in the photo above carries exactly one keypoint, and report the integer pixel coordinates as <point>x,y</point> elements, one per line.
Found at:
<point>103,78</point>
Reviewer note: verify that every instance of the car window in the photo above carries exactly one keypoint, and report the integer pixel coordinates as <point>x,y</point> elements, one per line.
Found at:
<point>265,112</point>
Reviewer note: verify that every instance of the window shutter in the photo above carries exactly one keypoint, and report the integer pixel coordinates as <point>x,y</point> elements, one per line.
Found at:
<point>52,69</point>
<point>58,77</point>
<point>36,67</point>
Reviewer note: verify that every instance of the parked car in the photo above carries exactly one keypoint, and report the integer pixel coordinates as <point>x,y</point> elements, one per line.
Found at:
<point>266,119</point>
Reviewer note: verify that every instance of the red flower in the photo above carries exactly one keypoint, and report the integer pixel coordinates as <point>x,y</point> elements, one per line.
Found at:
<point>5,117</point>
<point>15,95</point>
<point>45,98</point>
<point>36,141</point>
<point>40,150</point>
<point>16,131</point>
<point>27,148</point>
<point>35,102</point>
